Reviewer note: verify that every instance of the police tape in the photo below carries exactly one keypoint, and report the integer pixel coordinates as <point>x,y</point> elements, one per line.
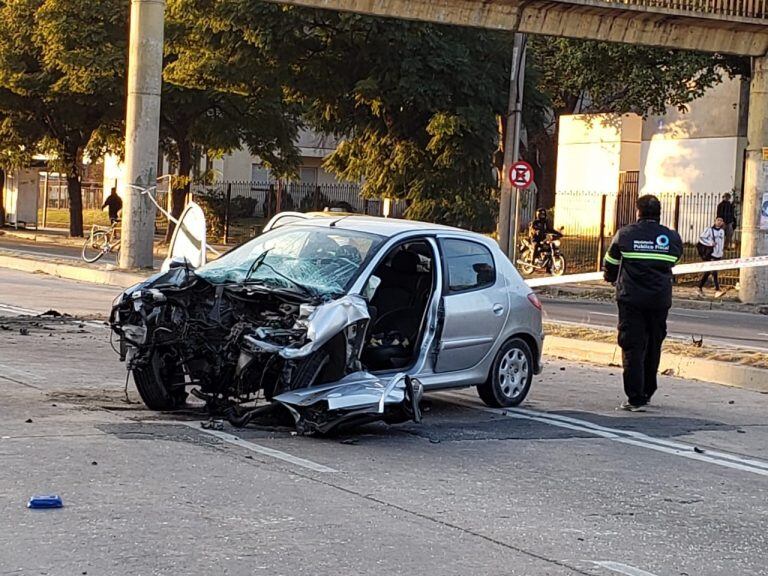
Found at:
<point>695,268</point>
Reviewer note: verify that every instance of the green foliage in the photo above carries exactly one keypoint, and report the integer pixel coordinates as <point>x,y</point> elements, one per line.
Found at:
<point>61,87</point>
<point>224,79</point>
<point>594,76</point>
<point>415,108</point>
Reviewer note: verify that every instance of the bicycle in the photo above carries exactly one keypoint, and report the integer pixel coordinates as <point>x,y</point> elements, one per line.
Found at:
<point>101,241</point>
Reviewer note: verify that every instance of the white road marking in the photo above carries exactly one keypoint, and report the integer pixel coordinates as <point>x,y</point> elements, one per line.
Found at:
<point>623,569</point>
<point>602,314</point>
<point>687,315</point>
<point>762,334</point>
<point>630,437</point>
<point>18,310</point>
<point>20,372</point>
<point>263,450</point>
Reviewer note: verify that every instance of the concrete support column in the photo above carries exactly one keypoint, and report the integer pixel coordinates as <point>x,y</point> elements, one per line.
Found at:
<point>508,200</point>
<point>754,237</point>
<point>142,127</point>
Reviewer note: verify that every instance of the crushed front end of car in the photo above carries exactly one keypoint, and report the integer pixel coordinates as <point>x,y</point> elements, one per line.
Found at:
<point>236,338</point>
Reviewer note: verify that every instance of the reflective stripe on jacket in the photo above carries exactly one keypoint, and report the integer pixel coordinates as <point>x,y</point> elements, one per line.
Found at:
<point>640,261</point>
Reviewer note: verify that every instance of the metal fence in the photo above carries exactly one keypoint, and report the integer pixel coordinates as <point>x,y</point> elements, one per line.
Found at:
<point>238,210</point>
<point>53,202</point>
<point>590,219</point>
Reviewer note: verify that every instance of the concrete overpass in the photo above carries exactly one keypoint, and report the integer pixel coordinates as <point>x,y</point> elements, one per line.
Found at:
<point>737,27</point>
<point>726,26</point>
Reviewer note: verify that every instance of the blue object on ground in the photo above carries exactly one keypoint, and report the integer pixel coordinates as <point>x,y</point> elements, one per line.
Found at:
<point>48,501</point>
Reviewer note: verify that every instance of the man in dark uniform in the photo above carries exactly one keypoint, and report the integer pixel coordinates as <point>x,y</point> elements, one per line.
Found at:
<point>115,204</point>
<point>639,262</point>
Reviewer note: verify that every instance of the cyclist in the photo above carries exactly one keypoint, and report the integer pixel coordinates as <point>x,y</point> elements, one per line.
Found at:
<point>115,204</point>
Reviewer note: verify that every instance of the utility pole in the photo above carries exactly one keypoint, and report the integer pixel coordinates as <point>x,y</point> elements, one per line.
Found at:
<point>510,197</point>
<point>142,129</point>
<point>754,227</point>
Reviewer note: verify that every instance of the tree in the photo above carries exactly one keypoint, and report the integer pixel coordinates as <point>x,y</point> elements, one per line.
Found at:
<point>224,81</point>
<point>62,64</point>
<point>582,76</point>
<point>415,108</point>
<point>415,105</point>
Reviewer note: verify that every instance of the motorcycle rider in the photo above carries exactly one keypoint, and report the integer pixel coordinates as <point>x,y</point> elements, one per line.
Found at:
<point>537,232</point>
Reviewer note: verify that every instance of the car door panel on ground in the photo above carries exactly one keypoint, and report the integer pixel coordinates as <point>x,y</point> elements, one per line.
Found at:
<point>475,304</point>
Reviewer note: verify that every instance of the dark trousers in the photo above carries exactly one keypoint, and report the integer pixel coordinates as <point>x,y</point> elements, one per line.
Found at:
<point>729,228</point>
<point>705,276</point>
<point>641,334</point>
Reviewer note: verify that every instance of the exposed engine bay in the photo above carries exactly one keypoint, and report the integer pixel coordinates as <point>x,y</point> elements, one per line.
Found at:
<point>237,344</point>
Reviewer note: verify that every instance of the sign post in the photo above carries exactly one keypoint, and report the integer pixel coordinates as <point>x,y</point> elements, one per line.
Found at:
<point>511,137</point>
<point>521,178</point>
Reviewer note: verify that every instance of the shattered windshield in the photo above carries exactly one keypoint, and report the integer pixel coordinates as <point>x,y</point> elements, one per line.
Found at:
<point>308,260</point>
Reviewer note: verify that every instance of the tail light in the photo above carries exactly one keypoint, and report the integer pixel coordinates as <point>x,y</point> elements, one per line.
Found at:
<point>533,299</point>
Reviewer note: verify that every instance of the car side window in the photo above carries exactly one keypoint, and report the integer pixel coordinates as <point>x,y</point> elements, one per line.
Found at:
<point>469,265</point>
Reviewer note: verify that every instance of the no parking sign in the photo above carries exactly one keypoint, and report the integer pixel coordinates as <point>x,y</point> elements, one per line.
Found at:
<point>521,175</point>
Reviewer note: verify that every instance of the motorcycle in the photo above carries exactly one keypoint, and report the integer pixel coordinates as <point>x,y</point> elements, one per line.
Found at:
<point>549,260</point>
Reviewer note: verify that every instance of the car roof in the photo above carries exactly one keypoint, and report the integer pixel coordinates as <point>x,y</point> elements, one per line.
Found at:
<point>387,227</point>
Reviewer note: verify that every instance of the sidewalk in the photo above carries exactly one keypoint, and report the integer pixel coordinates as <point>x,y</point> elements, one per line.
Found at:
<point>54,252</point>
<point>683,297</point>
<point>71,269</point>
<point>60,237</point>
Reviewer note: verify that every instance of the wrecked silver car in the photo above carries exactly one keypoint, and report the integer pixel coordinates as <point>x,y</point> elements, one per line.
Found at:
<point>338,320</point>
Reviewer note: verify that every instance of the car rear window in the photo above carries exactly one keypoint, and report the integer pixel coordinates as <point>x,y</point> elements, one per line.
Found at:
<point>470,265</point>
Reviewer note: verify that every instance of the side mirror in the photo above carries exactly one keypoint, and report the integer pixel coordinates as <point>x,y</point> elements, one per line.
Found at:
<point>176,262</point>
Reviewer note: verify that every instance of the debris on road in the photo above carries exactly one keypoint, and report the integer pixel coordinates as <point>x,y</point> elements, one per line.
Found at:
<point>45,502</point>
<point>51,313</point>
<point>212,425</point>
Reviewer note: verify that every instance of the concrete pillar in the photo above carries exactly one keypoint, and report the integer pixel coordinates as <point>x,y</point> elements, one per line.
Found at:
<point>508,200</point>
<point>142,127</point>
<point>754,228</point>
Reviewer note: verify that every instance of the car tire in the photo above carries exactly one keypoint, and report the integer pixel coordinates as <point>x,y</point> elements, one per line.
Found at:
<point>153,389</point>
<point>511,376</point>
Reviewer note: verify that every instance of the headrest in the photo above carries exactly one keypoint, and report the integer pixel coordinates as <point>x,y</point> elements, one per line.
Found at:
<point>405,262</point>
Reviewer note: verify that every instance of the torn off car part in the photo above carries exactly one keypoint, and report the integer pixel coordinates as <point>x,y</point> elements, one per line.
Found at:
<point>335,322</point>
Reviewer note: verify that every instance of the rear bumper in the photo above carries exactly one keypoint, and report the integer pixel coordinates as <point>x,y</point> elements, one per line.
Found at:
<point>539,362</point>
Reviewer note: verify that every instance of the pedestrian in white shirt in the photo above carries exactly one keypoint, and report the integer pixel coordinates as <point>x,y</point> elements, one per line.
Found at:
<point>711,245</point>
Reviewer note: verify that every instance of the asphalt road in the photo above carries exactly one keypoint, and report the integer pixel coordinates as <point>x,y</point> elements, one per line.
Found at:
<point>24,292</point>
<point>716,326</point>
<point>564,486</point>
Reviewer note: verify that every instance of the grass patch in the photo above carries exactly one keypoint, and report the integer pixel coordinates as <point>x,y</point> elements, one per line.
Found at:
<point>59,218</point>
<point>671,346</point>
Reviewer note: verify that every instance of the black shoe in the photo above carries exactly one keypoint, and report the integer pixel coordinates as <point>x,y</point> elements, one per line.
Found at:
<point>631,407</point>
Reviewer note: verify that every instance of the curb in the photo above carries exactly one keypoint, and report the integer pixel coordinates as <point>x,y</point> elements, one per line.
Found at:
<point>602,353</point>
<point>70,272</point>
<point>601,293</point>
